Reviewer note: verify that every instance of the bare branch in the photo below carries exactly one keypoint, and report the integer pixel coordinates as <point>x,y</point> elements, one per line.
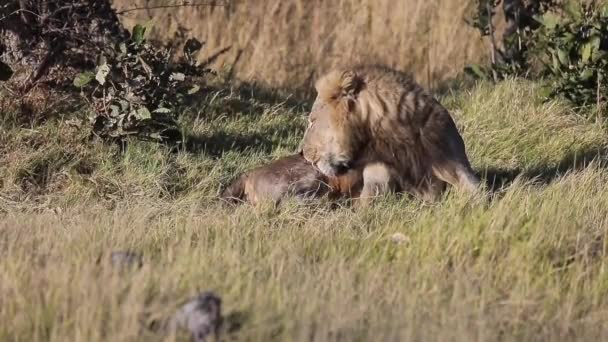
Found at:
<point>147,8</point>
<point>215,56</point>
<point>20,11</point>
<point>492,42</point>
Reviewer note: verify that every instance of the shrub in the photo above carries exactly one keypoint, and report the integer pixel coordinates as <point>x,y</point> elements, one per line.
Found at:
<point>566,43</point>
<point>136,88</point>
<point>513,58</point>
<point>574,51</point>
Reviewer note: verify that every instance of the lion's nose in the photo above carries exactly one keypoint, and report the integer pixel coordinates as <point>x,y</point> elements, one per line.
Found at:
<point>341,166</point>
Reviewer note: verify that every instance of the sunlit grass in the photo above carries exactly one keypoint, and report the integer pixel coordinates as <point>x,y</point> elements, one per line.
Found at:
<point>528,265</point>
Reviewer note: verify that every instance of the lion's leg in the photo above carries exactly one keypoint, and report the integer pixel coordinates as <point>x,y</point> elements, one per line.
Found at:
<point>377,180</point>
<point>449,161</point>
<point>431,189</point>
<point>458,174</point>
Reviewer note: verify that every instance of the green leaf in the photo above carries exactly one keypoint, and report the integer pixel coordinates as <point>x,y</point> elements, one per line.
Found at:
<point>569,37</point>
<point>595,41</point>
<point>194,90</point>
<point>83,79</point>
<point>604,10</point>
<point>586,52</point>
<point>586,74</point>
<point>178,76</point>
<point>545,92</point>
<point>139,34</point>
<point>143,113</point>
<point>5,72</point>
<point>599,55</point>
<point>124,105</point>
<point>102,72</point>
<point>563,57</point>
<point>114,110</point>
<point>162,110</point>
<point>549,20</point>
<point>554,63</point>
<point>590,48</point>
<point>476,71</point>
<point>574,9</point>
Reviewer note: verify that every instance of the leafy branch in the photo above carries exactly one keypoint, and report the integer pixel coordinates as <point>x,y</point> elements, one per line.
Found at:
<point>136,88</point>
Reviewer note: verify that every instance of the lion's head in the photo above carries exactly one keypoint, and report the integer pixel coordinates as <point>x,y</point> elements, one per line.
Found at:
<point>335,132</point>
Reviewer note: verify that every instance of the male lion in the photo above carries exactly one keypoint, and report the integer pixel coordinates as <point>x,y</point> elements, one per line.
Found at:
<point>379,120</point>
<point>291,176</point>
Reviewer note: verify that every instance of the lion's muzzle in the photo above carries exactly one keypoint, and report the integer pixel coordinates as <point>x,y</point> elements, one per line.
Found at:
<point>333,166</point>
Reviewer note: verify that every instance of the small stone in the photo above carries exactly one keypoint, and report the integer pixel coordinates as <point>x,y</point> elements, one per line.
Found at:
<point>201,316</point>
<point>400,239</point>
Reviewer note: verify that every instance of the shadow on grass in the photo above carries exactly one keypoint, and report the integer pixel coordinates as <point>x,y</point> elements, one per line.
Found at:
<point>244,100</point>
<point>215,145</point>
<point>272,96</point>
<point>497,179</point>
<point>40,106</point>
<point>265,140</point>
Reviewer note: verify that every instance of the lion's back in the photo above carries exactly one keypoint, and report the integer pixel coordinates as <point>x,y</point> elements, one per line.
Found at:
<point>396,95</point>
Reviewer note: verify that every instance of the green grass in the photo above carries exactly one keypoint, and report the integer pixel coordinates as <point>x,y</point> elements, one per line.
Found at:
<point>529,265</point>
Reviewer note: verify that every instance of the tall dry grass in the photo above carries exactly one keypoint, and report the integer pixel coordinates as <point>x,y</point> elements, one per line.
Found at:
<point>288,43</point>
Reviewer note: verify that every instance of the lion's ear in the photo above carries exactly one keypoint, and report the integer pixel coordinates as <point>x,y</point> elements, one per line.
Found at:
<point>341,86</point>
<point>351,84</point>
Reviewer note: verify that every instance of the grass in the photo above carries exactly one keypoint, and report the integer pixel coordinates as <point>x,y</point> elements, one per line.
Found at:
<point>529,265</point>
<point>290,43</point>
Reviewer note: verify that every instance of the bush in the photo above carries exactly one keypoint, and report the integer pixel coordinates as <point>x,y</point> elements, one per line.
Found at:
<point>512,58</point>
<point>574,50</point>
<point>136,88</point>
<point>566,43</point>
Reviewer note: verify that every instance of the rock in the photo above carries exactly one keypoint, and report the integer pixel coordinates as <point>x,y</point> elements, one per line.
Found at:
<point>201,316</point>
<point>400,239</point>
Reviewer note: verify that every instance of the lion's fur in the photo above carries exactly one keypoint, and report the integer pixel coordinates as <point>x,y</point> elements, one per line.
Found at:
<point>290,176</point>
<point>371,114</point>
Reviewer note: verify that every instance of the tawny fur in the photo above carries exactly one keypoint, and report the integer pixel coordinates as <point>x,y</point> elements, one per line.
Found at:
<point>372,115</point>
<point>291,176</point>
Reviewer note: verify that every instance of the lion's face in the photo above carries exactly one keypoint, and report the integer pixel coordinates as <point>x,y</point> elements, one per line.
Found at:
<point>333,137</point>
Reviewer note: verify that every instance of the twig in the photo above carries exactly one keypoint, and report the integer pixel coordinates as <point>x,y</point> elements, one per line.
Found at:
<point>215,56</point>
<point>42,68</point>
<point>168,6</point>
<point>599,97</point>
<point>598,93</point>
<point>492,41</point>
<point>235,62</point>
<point>20,11</point>
<point>428,57</point>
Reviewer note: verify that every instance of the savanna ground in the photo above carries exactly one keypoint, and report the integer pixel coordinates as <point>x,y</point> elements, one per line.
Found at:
<point>528,265</point>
